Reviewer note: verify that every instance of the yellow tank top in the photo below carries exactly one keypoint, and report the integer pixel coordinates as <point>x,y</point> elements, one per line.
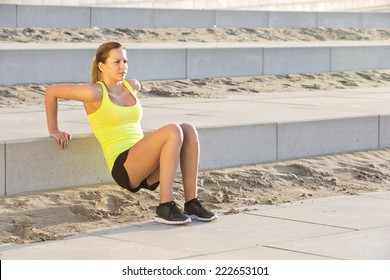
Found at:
<point>117,128</point>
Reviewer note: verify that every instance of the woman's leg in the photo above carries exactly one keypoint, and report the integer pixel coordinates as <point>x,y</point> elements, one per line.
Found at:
<point>189,160</point>
<point>189,163</point>
<point>156,154</point>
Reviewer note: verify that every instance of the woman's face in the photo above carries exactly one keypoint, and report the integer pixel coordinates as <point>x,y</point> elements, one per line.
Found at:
<point>115,66</point>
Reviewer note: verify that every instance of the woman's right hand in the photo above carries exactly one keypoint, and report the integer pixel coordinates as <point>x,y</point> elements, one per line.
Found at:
<point>62,138</point>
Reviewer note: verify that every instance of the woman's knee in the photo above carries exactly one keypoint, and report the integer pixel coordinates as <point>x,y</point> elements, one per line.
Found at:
<point>175,133</point>
<point>189,131</point>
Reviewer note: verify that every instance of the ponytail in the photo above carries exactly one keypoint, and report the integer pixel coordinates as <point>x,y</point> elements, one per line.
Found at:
<point>101,56</point>
<point>95,75</point>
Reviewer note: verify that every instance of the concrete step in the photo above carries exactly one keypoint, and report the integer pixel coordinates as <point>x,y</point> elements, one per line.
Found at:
<point>234,130</point>
<point>70,62</point>
<point>104,17</point>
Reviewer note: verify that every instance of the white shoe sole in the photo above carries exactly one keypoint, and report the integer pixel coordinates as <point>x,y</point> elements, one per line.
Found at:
<point>163,221</point>
<point>194,217</point>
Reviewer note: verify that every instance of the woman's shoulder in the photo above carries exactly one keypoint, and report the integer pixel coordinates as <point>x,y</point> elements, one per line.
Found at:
<point>135,84</point>
<point>83,87</point>
<point>81,92</point>
<point>94,90</point>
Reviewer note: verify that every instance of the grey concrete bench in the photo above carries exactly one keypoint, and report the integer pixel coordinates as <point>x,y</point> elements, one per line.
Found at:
<point>88,17</point>
<point>55,63</point>
<point>37,164</point>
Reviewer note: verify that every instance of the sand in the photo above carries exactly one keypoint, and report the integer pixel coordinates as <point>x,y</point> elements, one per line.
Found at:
<point>33,94</point>
<point>55,214</point>
<point>99,35</point>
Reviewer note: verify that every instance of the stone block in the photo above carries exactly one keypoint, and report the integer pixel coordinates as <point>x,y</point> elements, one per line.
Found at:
<point>2,168</point>
<point>223,62</point>
<point>241,19</point>
<point>48,65</point>
<point>314,138</point>
<point>54,16</point>
<point>169,18</point>
<point>33,165</point>
<point>357,58</point>
<point>376,20</point>
<point>122,18</point>
<point>237,145</point>
<point>157,63</point>
<point>340,20</point>
<point>293,19</point>
<point>8,15</point>
<point>384,131</point>
<point>282,61</point>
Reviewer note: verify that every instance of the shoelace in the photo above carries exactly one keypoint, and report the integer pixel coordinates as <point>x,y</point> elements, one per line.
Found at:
<point>199,203</point>
<point>173,205</point>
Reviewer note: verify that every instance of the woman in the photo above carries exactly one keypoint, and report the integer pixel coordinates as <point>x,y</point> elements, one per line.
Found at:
<point>135,161</point>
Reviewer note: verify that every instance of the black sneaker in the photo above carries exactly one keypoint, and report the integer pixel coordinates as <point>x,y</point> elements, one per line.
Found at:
<point>169,213</point>
<point>194,209</point>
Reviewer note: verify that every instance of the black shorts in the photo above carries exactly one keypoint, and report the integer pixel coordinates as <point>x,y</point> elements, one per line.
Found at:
<point>119,172</point>
<point>121,177</point>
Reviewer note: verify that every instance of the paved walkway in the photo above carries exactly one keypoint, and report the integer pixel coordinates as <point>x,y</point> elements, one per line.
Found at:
<point>334,228</point>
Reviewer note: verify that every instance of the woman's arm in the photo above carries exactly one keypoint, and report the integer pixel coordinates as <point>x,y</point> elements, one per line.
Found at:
<point>84,93</point>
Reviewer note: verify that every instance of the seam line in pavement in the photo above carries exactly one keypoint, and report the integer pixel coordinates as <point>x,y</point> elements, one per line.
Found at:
<point>300,221</point>
<point>301,252</point>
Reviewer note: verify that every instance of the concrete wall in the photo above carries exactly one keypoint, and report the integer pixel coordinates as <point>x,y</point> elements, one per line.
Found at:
<point>306,139</point>
<point>280,61</point>
<point>71,16</point>
<point>180,61</point>
<point>2,168</point>
<point>360,58</point>
<point>288,5</point>
<point>223,62</point>
<point>384,129</point>
<point>237,145</point>
<point>38,164</point>
<point>65,65</point>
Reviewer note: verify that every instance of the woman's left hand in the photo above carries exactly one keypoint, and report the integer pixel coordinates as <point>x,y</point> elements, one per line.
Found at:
<point>62,138</point>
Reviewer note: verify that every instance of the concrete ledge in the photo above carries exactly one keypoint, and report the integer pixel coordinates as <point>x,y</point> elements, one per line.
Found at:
<point>341,20</point>
<point>119,18</point>
<point>2,168</point>
<point>224,62</point>
<point>38,164</point>
<point>157,64</point>
<point>360,58</point>
<point>313,138</point>
<point>50,65</point>
<point>241,19</point>
<point>280,5</point>
<point>384,128</point>
<point>44,166</point>
<point>237,145</point>
<point>69,62</point>
<point>53,16</point>
<point>373,20</point>
<point>281,61</point>
<point>185,18</point>
<point>293,19</point>
<point>59,16</point>
<point>8,16</point>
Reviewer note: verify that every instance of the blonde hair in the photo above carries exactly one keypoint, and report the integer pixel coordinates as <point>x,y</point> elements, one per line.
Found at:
<point>101,56</point>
